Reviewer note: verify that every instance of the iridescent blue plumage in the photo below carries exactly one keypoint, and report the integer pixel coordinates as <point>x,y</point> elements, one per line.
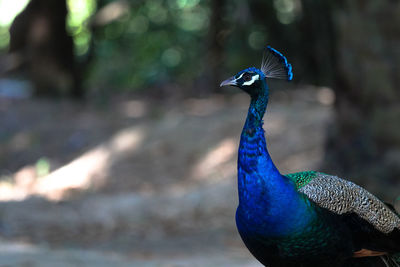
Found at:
<point>307,218</point>
<point>252,69</point>
<point>270,209</point>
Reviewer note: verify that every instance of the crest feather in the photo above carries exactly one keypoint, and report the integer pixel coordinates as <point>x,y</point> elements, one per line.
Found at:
<point>275,65</point>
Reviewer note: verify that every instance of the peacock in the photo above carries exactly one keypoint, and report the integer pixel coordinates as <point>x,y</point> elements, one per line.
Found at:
<point>306,218</point>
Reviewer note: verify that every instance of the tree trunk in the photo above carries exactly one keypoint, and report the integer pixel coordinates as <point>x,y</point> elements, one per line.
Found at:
<point>364,144</point>
<point>38,35</point>
<point>215,46</point>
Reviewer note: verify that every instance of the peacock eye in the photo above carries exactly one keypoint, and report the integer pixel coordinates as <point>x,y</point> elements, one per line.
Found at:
<point>247,77</point>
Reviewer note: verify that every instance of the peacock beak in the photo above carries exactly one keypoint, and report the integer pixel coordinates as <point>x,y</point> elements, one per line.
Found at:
<point>230,81</point>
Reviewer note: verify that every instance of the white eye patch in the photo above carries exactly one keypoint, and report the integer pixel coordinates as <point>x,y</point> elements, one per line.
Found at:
<point>238,78</point>
<point>253,79</point>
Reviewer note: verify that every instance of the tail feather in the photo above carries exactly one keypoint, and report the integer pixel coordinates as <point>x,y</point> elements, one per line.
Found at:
<point>396,259</point>
<point>391,260</point>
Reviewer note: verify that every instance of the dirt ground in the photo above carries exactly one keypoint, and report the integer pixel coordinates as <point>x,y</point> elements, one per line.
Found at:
<point>137,182</point>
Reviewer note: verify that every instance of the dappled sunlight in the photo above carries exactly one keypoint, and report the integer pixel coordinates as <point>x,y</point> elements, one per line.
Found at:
<point>80,173</point>
<point>9,9</point>
<point>79,14</point>
<point>17,247</point>
<point>22,183</point>
<point>111,12</point>
<point>8,191</point>
<point>288,10</point>
<point>134,182</point>
<point>127,140</point>
<point>326,96</point>
<point>215,164</point>
<point>89,170</point>
<point>133,109</point>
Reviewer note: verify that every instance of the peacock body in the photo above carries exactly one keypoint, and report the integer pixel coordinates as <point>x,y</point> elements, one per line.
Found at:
<point>306,218</point>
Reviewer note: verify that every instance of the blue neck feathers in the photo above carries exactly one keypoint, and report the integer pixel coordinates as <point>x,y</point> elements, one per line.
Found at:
<point>267,200</point>
<point>253,148</point>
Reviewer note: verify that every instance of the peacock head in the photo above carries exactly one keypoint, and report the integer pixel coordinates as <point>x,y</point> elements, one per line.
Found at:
<point>249,80</point>
<point>253,80</point>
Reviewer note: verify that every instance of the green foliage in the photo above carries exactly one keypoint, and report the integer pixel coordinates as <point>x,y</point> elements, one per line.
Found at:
<point>9,9</point>
<point>136,44</point>
<point>42,167</point>
<point>162,41</point>
<point>79,13</point>
<point>4,38</point>
<point>151,42</point>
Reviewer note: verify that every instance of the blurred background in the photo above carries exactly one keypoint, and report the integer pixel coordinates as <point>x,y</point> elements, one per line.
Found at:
<point>117,146</point>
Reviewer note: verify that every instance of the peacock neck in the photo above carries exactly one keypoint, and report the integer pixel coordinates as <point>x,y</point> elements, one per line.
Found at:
<point>253,152</point>
<point>265,196</point>
<point>258,106</point>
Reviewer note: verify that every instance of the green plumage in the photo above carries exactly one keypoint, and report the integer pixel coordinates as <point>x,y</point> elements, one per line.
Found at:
<point>301,178</point>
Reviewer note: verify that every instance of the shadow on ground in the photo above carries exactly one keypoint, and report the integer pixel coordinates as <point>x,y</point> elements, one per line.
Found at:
<point>139,183</point>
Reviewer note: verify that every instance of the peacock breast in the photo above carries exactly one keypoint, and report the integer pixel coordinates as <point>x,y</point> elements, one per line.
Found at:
<point>317,239</point>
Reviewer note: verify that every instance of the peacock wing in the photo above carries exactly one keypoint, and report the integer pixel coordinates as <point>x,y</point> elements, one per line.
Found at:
<point>342,197</point>
<point>374,225</point>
